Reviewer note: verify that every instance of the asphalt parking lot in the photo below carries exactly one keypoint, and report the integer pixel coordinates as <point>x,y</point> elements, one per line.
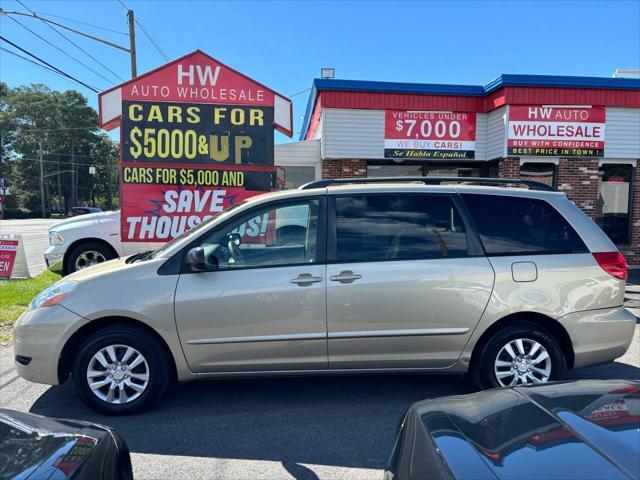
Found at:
<point>280,428</point>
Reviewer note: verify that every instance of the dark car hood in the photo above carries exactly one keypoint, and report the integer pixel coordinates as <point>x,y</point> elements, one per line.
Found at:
<point>581,430</point>
<point>34,447</point>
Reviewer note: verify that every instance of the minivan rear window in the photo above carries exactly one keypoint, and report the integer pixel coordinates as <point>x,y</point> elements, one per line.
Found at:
<point>398,227</point>
<point>516,225</point>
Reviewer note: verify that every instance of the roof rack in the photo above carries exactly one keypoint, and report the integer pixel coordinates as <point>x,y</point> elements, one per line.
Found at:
<point>530,184</point>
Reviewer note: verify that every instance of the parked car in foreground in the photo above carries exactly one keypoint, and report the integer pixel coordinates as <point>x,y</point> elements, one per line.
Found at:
<point>586,429</point>
<point>511,285</point>
<point>34,447</point>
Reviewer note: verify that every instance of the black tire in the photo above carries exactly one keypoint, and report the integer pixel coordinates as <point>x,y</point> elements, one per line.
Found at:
<point>482,369</point>
<point>158,368</point>
<point>70,259</point>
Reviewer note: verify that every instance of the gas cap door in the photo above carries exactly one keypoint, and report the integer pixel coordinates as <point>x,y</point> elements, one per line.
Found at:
<point>524,272</point>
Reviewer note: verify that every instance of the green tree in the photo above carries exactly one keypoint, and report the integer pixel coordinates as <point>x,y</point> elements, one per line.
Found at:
<point>67,128</point>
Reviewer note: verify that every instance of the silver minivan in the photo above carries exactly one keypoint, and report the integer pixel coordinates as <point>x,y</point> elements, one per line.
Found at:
<point>510,285</point>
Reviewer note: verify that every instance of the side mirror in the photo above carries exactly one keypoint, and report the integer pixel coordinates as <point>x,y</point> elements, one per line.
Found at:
<point>234,238</point>
<point>195,259</point>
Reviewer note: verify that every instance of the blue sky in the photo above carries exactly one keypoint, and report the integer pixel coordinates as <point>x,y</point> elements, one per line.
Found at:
<point>284,44</point>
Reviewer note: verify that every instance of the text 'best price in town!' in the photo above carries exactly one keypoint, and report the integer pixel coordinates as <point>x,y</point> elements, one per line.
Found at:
<point>556,131</point>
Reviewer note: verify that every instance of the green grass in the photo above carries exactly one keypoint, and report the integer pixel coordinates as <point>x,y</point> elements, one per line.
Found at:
<point>15,296</point>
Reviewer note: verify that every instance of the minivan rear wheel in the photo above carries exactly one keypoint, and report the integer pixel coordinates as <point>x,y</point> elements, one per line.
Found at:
<point>518,355</point>
<point>120,370</point>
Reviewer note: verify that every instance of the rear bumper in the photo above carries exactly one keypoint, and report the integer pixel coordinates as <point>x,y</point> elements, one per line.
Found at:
<point>599,336</point>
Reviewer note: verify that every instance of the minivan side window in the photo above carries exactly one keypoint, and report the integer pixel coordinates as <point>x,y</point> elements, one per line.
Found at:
<point>398,227</point>
<point>275,236</point>
<point>516,225</point>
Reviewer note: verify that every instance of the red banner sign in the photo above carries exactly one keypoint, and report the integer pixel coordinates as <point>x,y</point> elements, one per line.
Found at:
<point>8,251</point>
<point>429,135</point>
<point>536,130</point>
<point>159,213</point>
<point>198,79</point>
<point>196,138</point>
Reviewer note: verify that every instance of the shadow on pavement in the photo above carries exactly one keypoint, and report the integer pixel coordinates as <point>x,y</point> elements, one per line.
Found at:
<point>341,421</point>
<point>606,371</point>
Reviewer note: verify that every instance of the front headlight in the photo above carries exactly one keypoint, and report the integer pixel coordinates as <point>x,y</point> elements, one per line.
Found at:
<point>53,295</point>
<point>55,238</point>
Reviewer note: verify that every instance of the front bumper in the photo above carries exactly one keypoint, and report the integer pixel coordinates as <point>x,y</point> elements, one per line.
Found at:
<point>39,336</point>
<point>54,257</point>
<point>599,336</point>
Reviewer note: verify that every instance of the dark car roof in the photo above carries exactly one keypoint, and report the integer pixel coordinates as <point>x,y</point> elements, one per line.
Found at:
<point>34,447</point>
<point>581,430</point>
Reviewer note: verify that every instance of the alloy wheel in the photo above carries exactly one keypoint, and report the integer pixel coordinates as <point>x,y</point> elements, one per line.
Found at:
<point>118,374</point>
<point>522,361</point>
<point>89,258</point>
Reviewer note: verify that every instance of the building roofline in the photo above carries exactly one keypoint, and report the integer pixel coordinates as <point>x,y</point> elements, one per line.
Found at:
<point>504,80</point>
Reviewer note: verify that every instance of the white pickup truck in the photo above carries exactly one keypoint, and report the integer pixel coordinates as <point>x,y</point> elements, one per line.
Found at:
<point>85,240</point>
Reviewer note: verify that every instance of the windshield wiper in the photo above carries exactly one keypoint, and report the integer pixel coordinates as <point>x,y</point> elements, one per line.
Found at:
<point>139,256</point>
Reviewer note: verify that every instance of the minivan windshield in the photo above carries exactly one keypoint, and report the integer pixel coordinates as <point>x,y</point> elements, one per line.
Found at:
<point>193,231</point>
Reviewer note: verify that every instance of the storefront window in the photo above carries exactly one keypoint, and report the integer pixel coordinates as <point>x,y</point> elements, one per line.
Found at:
<point>613,201</point>
<point>293,176</point>
<point>397,170</point>
<point>435,171</point>
<point>539,172</point>
<point>420,169</point>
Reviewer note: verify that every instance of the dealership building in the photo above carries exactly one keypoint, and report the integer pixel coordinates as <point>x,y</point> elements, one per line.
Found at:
<point>578,134</point>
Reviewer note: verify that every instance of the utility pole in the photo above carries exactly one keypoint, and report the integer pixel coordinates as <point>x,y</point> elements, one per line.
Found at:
<point>132,44</point>
<point>1,176</point>
<point>41,179</point>
<point>60,200</point>
<point>74,174</point>
<point>110,168</point>
<point>132,34</point>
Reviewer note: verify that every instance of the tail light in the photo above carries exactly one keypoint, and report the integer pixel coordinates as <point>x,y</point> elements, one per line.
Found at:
<point>613,263</point>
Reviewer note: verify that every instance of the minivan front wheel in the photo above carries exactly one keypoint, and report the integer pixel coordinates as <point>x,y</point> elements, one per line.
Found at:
<point>519,355</point>
<point>120,370</point>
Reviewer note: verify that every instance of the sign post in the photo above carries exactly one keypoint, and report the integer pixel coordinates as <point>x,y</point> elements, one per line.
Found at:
<point>196,138</point>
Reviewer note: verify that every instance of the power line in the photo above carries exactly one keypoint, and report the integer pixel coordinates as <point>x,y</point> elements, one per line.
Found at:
<point>57,128</point>
<point>85,23</point>
<point>53,161</point>
<point>31,61</point>
<point>49,65</point>
<point>69,154</point>
<point>59,49</point>
<point>154,43</point>
<point>300,92</point>
<point>75,44</point>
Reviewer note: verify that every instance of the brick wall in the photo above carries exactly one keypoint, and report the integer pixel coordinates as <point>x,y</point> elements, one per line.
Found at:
<point>632,251</point>
<point>509,168</point>
<point>344,168</point>
<point>578,178</point>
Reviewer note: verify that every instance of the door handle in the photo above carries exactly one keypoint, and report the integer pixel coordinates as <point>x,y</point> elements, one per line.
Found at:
<point>345,276</point>
<point>305,279</point>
